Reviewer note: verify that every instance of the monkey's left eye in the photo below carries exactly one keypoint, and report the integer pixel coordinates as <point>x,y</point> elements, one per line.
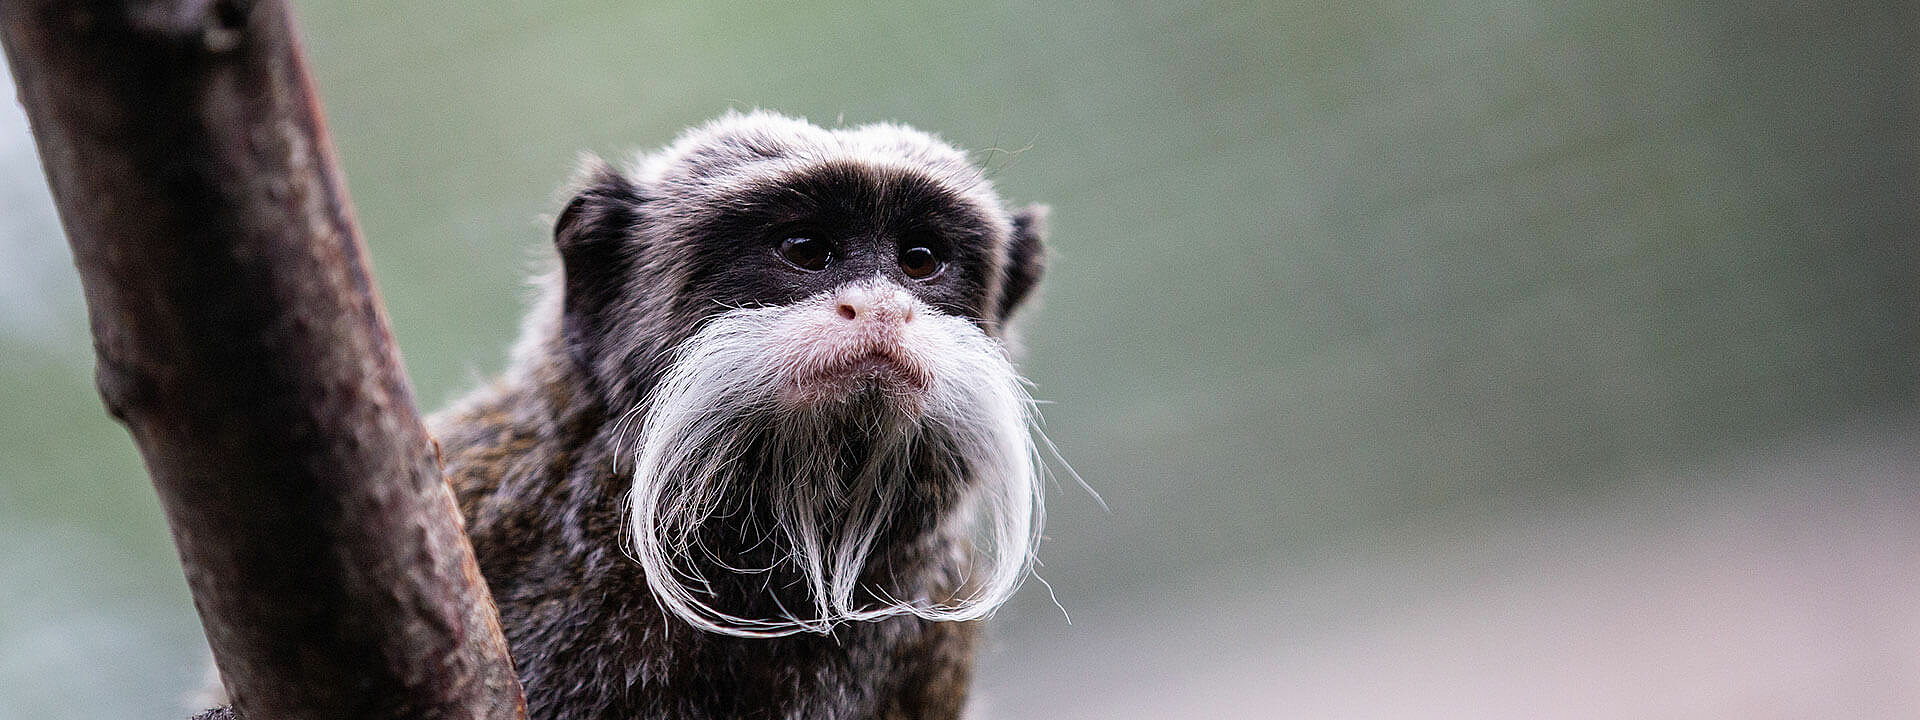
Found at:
<point>806,253</point>
<point>919,263</point>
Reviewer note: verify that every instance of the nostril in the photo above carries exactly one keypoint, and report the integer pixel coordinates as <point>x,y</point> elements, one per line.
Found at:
<point>847,311</point>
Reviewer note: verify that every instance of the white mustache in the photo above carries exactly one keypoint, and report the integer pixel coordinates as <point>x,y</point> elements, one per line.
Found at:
<point>719,402</point>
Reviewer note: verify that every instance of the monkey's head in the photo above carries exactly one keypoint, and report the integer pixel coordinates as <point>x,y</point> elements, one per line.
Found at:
<point>802,327</point>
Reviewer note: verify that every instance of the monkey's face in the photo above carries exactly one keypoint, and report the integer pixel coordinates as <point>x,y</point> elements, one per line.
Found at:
<point>758,211</point>
<point>805,326</point>
<point>870,257</point>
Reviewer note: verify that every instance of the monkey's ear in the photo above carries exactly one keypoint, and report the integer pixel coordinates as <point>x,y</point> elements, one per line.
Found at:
<point>603,200</point>
<point>595,236</point>
<point>1026,258</point>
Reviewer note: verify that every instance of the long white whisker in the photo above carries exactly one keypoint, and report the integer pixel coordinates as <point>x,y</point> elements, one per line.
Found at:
<point>829,521</point>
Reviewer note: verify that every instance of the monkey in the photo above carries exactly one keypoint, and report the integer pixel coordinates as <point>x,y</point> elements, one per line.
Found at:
<point>760,450</point>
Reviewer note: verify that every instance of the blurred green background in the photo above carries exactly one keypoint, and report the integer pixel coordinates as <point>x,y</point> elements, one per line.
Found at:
<point>1496,358</point>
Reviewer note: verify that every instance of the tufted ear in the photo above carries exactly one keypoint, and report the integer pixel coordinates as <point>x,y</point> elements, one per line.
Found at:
<point>596,236</point>
<point>1026,258</point>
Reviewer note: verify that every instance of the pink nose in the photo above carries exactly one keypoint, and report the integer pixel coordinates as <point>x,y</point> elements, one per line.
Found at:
<point>864,304</point>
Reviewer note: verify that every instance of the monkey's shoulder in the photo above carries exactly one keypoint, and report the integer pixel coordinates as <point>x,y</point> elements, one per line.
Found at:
<point>482,437</point>
<point>507,448</point>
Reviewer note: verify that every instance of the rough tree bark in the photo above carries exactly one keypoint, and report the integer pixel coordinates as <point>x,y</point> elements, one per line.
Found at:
<point>240,340</point>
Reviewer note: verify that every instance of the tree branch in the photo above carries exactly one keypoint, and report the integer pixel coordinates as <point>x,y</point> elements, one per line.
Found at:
<point>241,341</point>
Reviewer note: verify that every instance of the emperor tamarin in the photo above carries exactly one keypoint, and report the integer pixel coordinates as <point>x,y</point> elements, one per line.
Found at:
<point>761,452</point>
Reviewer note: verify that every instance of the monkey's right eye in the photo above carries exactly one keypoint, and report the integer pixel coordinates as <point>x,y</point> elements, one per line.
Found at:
<point>806,253</point>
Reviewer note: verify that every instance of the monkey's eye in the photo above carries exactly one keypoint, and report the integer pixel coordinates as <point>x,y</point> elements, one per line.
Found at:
<point>806,253</point>
<point>919,263</point>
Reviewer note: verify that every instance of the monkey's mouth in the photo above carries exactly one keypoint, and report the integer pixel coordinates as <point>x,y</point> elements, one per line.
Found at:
<point>890,372</point>
<point>879,366</point>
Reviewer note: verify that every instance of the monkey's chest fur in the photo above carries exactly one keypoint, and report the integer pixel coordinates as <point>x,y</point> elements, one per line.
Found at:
<point>534,472</point>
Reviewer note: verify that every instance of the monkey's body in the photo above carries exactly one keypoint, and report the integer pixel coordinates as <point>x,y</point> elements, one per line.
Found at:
<point>531,463</point>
